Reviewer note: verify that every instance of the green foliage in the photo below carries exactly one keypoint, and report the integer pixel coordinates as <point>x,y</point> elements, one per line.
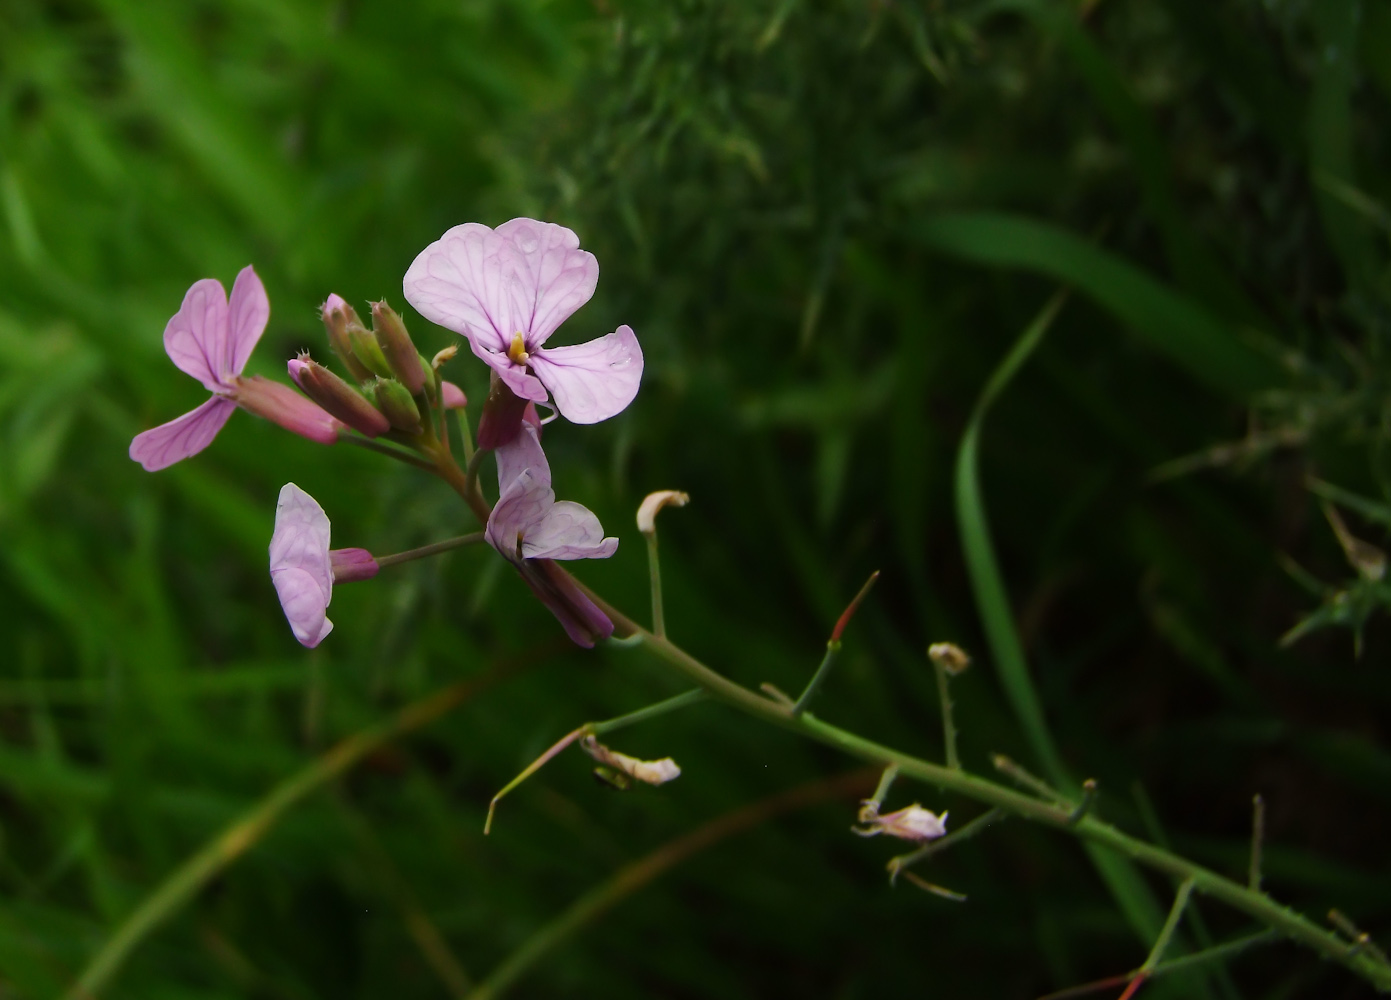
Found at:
<point>828,224</point>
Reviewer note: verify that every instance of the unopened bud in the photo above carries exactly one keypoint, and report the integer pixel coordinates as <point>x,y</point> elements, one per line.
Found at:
<point>338,318</point>
<point>949,656</point>
<point>337,397</point>
<point>394,400</point>
<point>367,351</point>
<point>396,345</point>
<point>451,396</point>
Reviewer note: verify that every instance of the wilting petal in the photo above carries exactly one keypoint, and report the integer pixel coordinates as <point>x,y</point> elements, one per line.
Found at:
<point>196,339</point>
<point>305,604</point>
<point>459,281</point>
<point>911,823</point>
<point>248,312</point>
<point>593,381</point>
<point>552,276</point>
<point>162,446</point>
<point>654,772</point>
<point>568,530</point>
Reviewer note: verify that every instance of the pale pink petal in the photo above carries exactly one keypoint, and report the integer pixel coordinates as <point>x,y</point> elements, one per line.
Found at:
<point>305,604</point>
<point>248,313</point>
<point>459,282</point>
<point>181,437</point>
<point>522,504</point>
<point>523,452</point>
<point>301,537</point>
<point>567,530</point>
<point>593,381</point>
<point>195,338</point>
<point>552,276</point>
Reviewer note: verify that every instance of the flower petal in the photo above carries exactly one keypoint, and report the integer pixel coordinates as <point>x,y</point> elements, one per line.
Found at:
<point>518,379</point>
<point>552,276</point>
<point>181,437</point>
<point>522,504</point>
<point>459,282</point>
<point>248,313</point>
<point>523,452</point>
<point>593,381</point>
<point>568,530</point>
<point>305,604</point>
<point>300,540</point>
<point>196,339</point>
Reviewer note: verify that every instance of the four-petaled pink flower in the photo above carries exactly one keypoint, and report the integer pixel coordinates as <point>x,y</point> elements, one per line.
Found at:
<point>507,290</point>
<point>531,529</point>
<point>211,339</point>
<point>304,569</point>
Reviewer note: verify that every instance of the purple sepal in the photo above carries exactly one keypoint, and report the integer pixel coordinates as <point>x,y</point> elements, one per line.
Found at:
<point>351,565</point>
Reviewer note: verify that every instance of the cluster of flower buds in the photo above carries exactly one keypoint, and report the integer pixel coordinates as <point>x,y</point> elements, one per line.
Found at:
<point>505,291</point>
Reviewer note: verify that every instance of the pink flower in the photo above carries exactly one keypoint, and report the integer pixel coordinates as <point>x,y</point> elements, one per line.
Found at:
<point>304,569</point>
<point>507,290</point>
<point>211,339</point>
<point>531,529</point>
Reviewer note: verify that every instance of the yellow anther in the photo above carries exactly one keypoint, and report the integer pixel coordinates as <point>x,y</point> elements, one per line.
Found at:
<point>517,352</point>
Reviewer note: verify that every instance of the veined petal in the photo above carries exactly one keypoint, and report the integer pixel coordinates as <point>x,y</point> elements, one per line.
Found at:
<point>460,282</point>
<point>552,276</point>
<point>522,453</point>
<point>522,504</point>
<point>248,312</point>
<point>301,538</point>
<point>181,437</point>
<point>305,604</point>
<point>196,337</point>
<point>593,381</point>
<point>568,530</point>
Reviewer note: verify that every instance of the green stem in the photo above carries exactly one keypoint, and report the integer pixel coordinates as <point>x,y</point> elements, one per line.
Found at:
<point>650,712</point>
<point>1161,943</point>
<point>654,574</point>
<point>433,549</point>
<point>948,720</point>
<point>390,451</point>
<point>1056,815</point>
<point>818,678</point>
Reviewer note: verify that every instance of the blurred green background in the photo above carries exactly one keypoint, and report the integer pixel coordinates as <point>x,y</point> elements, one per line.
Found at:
<point>827,222</point>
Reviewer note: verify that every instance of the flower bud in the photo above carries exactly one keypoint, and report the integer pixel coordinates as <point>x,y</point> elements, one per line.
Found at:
<point>451,396</point>
<point>367,351</point>
<point>338,318</point>
<point>396,345</point>
<point>337,397</point>
<point>394,400</point>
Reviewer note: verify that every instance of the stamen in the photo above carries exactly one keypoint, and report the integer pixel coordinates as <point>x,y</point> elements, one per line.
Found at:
<point>517,351</point>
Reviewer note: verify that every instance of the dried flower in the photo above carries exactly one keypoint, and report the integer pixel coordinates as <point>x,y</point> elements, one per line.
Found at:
<point>653,772</point>
<point>912,823</point>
